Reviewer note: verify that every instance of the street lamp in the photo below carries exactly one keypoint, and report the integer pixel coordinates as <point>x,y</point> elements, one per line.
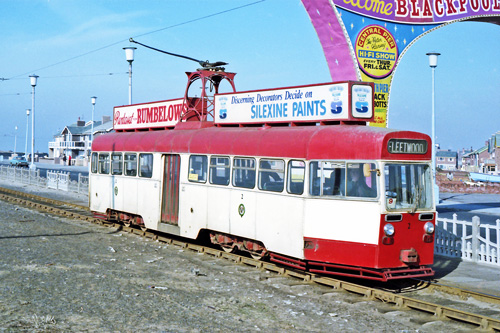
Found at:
<point>33,79</point>
<point>27,126</point>
<point>433,56</point>
<point>92,99</point>
<point>15,140</point>
<point>129,54</point>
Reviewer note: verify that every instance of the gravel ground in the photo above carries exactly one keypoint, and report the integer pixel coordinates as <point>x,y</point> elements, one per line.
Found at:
<point>62,275</point>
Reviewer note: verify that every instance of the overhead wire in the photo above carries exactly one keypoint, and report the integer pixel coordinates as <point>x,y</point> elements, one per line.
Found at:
<point>144,34</point>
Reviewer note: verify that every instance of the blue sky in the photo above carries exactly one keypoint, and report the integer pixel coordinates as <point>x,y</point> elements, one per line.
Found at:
<point>75,47</point>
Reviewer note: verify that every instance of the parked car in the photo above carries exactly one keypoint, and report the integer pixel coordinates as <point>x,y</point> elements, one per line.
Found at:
<point>18,161</point>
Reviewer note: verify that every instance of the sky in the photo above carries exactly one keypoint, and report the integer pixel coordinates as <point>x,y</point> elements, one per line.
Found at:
<point>76,49</point>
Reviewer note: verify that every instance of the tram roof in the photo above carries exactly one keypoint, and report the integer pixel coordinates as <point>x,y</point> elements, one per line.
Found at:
<point>309,142</point>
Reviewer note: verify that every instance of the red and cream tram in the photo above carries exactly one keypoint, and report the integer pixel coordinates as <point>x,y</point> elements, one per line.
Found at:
<point>290,174</point>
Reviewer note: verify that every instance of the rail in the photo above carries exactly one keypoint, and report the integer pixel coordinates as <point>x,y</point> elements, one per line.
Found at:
<point>468,240</point>
<point>55,179</point>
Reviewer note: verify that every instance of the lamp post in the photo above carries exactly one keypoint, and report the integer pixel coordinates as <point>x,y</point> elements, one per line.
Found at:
<point>33,79</point>
<point>129,53</point>
<point>15,140</point>
<point>433,56</point>
<point>92,99</point>
<point>27,127</point>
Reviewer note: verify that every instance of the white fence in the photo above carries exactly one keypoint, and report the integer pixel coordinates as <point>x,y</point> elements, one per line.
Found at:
<point>22,176</point>
<point>471,241</point>
<point>55,180</point>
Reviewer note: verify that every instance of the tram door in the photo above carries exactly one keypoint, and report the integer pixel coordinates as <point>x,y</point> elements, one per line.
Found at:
<point>170,195</point>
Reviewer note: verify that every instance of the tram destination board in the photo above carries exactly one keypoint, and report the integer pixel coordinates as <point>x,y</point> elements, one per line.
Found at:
<point>407,146</point>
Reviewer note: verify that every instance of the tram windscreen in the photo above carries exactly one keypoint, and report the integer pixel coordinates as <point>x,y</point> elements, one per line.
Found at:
<point>408,187</point>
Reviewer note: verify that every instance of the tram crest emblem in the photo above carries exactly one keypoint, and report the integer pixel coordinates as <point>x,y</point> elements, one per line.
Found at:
<point>241,210</point>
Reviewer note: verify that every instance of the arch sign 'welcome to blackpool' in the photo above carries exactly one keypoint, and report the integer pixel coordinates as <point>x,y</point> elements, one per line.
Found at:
<point>365,39</point>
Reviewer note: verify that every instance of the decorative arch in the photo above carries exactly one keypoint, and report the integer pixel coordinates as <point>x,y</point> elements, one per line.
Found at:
<point>366,39</point>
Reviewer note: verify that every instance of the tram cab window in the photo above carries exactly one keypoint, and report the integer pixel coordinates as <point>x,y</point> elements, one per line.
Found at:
<point>408,186</point>
<point>146,165</point>
<point>93,163</point>
<point>220,170</point>
<point>244,172</point>
<point>327,178</point>
<point>197,168</point>
<point>296,171</point>
<point>271,175</point>
<point>361,183</point>
<point>116,164</point>
<point>130,164</point>
<point>104,163</point>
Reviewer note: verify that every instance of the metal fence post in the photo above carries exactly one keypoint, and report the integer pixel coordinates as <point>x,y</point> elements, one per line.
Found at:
<point>498,242</point>
<point>475,237</point>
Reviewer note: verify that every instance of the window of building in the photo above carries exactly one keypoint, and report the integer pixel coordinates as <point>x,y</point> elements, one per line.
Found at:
<point>116,164</point>
<point>146,165</point>
<point>220,170</point>
<point>296,172</point>
<point>104,163</point>
<point>130,164</point>
<point>271,175</point>
<point>244,172</point>
<point>197,168</point>
<point>93,165</point>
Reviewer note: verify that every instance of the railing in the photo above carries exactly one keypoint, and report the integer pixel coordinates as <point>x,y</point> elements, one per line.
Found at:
<point>470,241</point>
<point>55,180</point>
<point>23,176</point>
<point>69,144</point>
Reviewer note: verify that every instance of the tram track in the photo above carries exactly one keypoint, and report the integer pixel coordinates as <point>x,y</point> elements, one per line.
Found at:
<point>404,298</point>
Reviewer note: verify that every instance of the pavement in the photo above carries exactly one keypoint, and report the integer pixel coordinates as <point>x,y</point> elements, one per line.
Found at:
<point>470,202</point>
<point>468,275</point>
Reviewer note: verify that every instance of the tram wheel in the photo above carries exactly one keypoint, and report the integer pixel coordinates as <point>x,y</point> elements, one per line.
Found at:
<point>257,255</point>
<point>228,248</point>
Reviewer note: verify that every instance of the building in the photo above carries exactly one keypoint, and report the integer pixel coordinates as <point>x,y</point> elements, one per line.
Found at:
<point>446,160</point>
<point>75,140</point>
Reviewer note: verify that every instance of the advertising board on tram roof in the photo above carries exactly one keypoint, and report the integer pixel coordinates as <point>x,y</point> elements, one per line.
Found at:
<point>160,114</point>
<point>314,103</point>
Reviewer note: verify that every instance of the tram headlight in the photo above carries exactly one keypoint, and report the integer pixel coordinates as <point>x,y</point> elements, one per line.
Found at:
<point>388,229</point>
<point>429,228</point>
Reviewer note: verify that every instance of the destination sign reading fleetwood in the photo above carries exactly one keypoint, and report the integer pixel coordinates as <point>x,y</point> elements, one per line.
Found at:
<point>316,103</point>
<point>147,115</point>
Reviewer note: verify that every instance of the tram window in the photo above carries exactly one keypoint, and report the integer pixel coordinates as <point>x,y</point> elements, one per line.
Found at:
<point>408,186</point>
<point>146,165</point>
<point>271,175</point>
<point>104,163</point>
<point>219,170</point>
<point>359,184</point>
<point>116,164</point>
<point>130,164</point>
<point>197,168</point>
<point>94,163</point>
<point>244,172</point>
<point>327,178</point>
<point>296,171</point>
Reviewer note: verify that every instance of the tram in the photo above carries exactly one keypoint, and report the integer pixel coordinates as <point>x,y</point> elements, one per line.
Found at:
<point>293,175</point>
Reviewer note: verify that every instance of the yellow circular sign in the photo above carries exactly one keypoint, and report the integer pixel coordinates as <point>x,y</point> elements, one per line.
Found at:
<point>376,51</point>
